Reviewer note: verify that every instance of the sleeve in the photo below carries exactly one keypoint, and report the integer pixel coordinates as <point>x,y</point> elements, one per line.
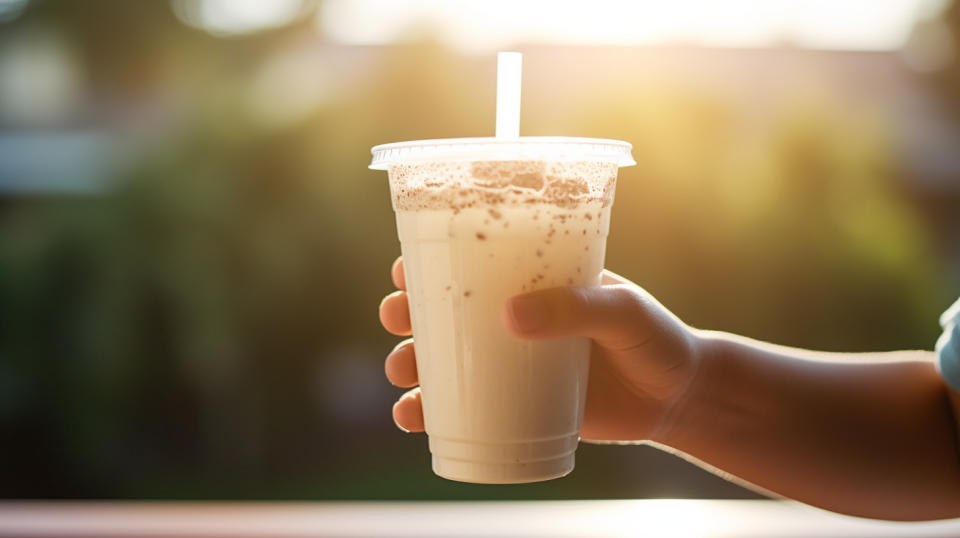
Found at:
<point>948,347</point>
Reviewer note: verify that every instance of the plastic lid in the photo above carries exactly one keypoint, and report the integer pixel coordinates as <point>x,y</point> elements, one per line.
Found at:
<point>550,148</point>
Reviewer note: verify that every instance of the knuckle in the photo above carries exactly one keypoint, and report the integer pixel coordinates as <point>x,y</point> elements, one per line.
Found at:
<point>630,298</point>
<point>629,304</point>
<point>569,303</point>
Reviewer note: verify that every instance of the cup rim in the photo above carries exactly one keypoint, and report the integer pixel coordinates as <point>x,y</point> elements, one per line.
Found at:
<point>556,148</point>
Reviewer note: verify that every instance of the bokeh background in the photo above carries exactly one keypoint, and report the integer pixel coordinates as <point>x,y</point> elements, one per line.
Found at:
<point>192,249</point>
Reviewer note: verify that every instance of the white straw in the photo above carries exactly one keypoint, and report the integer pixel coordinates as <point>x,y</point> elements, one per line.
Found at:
<point>509,65</point>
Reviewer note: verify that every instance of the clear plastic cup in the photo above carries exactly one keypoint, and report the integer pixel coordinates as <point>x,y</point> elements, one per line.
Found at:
<point>481,220</point>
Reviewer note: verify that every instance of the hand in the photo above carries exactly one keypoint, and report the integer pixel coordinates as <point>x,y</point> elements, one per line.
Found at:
<point>643,358</point>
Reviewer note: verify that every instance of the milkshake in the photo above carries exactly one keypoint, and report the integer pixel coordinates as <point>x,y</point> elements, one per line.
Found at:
<point>477,227</point>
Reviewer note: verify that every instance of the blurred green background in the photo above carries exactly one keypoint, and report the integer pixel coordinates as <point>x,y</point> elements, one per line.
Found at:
<point>192,249</point>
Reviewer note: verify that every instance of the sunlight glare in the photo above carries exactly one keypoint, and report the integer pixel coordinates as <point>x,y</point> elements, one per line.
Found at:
<point>236,16</point>
<point>479,27</point>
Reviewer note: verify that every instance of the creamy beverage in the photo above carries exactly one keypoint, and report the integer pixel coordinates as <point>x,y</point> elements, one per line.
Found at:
<point>499,409</point>
<point>481,220</point>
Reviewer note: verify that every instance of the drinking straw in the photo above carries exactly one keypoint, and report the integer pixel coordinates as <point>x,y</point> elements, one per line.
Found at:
<point>508,94</point>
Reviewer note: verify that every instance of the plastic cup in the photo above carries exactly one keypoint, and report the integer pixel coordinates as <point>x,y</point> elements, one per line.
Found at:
<point>481,220</point>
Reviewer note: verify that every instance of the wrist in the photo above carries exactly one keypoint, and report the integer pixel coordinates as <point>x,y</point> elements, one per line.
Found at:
<point>681,419</point>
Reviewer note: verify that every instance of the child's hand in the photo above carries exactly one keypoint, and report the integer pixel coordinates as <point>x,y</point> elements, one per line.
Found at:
<point>871,435</point>
<point>642,363</point>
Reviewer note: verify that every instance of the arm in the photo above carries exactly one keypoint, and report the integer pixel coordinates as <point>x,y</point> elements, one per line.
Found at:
<point>872,435</point>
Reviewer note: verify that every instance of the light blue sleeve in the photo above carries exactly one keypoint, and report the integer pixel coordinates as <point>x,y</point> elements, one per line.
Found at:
<point>948,347</point>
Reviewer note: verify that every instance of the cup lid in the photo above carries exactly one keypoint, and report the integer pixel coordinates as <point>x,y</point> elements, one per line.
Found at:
<point>551,148</point>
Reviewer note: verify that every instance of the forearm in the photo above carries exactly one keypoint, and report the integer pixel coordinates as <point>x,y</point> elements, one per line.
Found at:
<point>870,435</point>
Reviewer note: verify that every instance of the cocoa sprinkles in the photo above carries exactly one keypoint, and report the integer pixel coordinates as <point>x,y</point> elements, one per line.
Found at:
<point>455,185</point>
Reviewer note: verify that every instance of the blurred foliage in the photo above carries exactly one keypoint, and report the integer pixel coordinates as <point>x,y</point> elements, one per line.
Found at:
<point>794,233</point>
<point>946,79</point>
<point>205,328</point>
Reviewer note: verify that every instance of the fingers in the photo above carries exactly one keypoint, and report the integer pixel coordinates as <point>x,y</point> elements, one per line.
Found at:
<point>617,316</point>
<point>401,370</point>
<point>401,365</point>
<point>395,308</point>
<point>395,314</point>
<point>408,412</point>
<point>396,272</point>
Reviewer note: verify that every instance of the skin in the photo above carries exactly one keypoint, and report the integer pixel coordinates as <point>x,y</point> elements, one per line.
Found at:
<point>872,435</point>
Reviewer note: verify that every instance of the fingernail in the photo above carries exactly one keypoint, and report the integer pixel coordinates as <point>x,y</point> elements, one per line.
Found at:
<point>527,313</point>
<point>394,413</point>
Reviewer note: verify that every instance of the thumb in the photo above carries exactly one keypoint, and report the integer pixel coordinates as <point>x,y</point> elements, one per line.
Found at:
<point>618,317</point>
